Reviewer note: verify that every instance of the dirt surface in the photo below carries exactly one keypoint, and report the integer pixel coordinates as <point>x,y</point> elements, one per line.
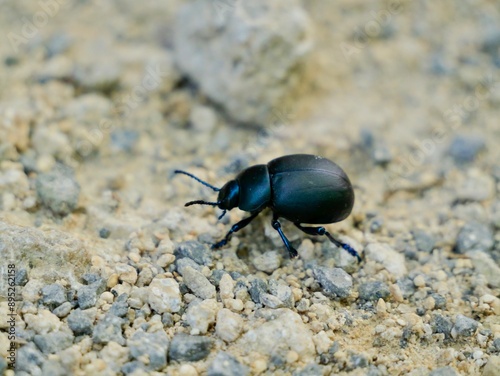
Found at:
<point>101,101</point>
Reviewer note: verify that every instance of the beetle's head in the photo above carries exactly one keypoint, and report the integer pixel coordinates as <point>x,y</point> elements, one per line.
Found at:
<point>228,195</point>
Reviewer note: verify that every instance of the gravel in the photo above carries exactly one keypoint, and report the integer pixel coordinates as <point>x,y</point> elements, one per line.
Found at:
<point>334,281</point>
<point>114,275</point>
<point>229,325</point>
<point>108,329</point>
<point>257,288</point>
<point>58,190</point>
<point>186,348</point>
<point>54,342</point>
<point>164,295</point>
<point>373,291</point>
<point>53,295</point>
<point>226,365</point>
<point>474,236</point>
<point>195,251</point>
<point>464,326</point>
<point>198,283</point>
<point>150,346</point>
<point>80,323</point>
<point>248,80</point>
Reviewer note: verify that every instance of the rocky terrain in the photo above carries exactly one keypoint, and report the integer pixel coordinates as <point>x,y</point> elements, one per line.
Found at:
<point>100,101</point>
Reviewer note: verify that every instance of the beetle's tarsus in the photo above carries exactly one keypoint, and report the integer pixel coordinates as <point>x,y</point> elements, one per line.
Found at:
<point>220,244</point>
<point>322,231</point>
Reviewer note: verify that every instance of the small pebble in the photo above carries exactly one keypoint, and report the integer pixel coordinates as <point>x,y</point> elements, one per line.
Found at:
<point>334,281</point>
<point>198,283</point>
<point>226,365</point>
<point>229,325</point>
<point>186,348</point>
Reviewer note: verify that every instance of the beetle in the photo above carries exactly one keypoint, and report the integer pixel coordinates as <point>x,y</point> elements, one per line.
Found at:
<point>301,188</point>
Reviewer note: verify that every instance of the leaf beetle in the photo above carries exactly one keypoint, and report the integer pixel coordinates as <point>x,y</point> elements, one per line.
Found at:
<point>301,188</point>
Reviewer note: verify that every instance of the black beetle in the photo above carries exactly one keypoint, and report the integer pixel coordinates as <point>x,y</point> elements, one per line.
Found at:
<point>300,187</point>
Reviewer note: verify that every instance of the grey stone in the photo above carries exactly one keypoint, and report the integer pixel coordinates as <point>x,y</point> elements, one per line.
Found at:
<point>182,263</point>
<point>248,54</point>
<point>58,190</point>
<point>108,329</point>
<point>53,342</point>
<point>216,276</point>
<point>226,365</point>
<point>87,296</point>
<point>310,370</point>
<point>124,139</point>
<point>425,242</point>
<point>153,345</point>
<point>257,288</point>
<point>198,283</point>
<point>464,326</point>
<point>186,348</point>
<point>496,344</point>
<point>167,319</point>
<point>407,287</point>
<point>195,251</point>
<point>464,149</point>
<point>440,301</point>
<point>282,291</point>
<point>358,361</point>
<point>21,277</point>
<point>486,265</point>
<point>441,324</point>
<point>373,291</point>
<point>119,307</point>
<point>63,310</point>
<point>80,323</point>
<point>271,301</point>
<point>474,236</point>
<point>268,262</point>
<point>50,254</point>
<point>132,367</point>
<point>29,359</point>
<point>443,371</point>
<point>334,281</point>
<point>53,368</point>
<point>53,295</point>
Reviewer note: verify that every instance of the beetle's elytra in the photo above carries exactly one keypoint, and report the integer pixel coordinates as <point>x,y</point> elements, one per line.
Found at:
<point>302,188</point>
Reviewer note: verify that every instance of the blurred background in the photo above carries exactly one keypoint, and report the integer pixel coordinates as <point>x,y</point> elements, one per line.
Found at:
<point>101,100</point>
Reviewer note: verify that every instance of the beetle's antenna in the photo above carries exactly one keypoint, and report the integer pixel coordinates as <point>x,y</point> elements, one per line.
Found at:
<point>201,202</point>
<point>198,180</point>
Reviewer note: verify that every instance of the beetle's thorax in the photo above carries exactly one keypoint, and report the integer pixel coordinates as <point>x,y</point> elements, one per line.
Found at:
<point>255,188</point>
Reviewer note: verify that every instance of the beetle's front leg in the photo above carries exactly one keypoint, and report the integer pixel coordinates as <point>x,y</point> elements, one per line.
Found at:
<point>277,226</point>
<point>235,228</point>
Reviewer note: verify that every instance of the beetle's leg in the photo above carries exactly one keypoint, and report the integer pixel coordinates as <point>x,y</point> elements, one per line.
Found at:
<point>236,227</point>
<point>277,226</point>
<point>322,231</point>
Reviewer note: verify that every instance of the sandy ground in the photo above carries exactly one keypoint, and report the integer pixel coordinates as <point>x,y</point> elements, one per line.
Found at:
<point>100,101</point>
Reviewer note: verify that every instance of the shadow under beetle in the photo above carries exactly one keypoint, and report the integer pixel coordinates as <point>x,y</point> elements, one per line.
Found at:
<point>300,187</point>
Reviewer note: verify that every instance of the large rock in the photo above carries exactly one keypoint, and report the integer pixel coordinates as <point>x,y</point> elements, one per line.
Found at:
<point>245,55</point>
<point>278,336</point>
<point>47,254</point>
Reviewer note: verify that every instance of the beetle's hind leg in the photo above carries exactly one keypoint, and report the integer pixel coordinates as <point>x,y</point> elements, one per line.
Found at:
<point>322,231</point>
<point>277,226</point>
<point>235,228</point>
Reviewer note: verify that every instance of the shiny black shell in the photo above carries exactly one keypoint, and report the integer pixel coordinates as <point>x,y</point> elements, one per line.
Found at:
<point>310,189</point>
<point>300,187</point>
